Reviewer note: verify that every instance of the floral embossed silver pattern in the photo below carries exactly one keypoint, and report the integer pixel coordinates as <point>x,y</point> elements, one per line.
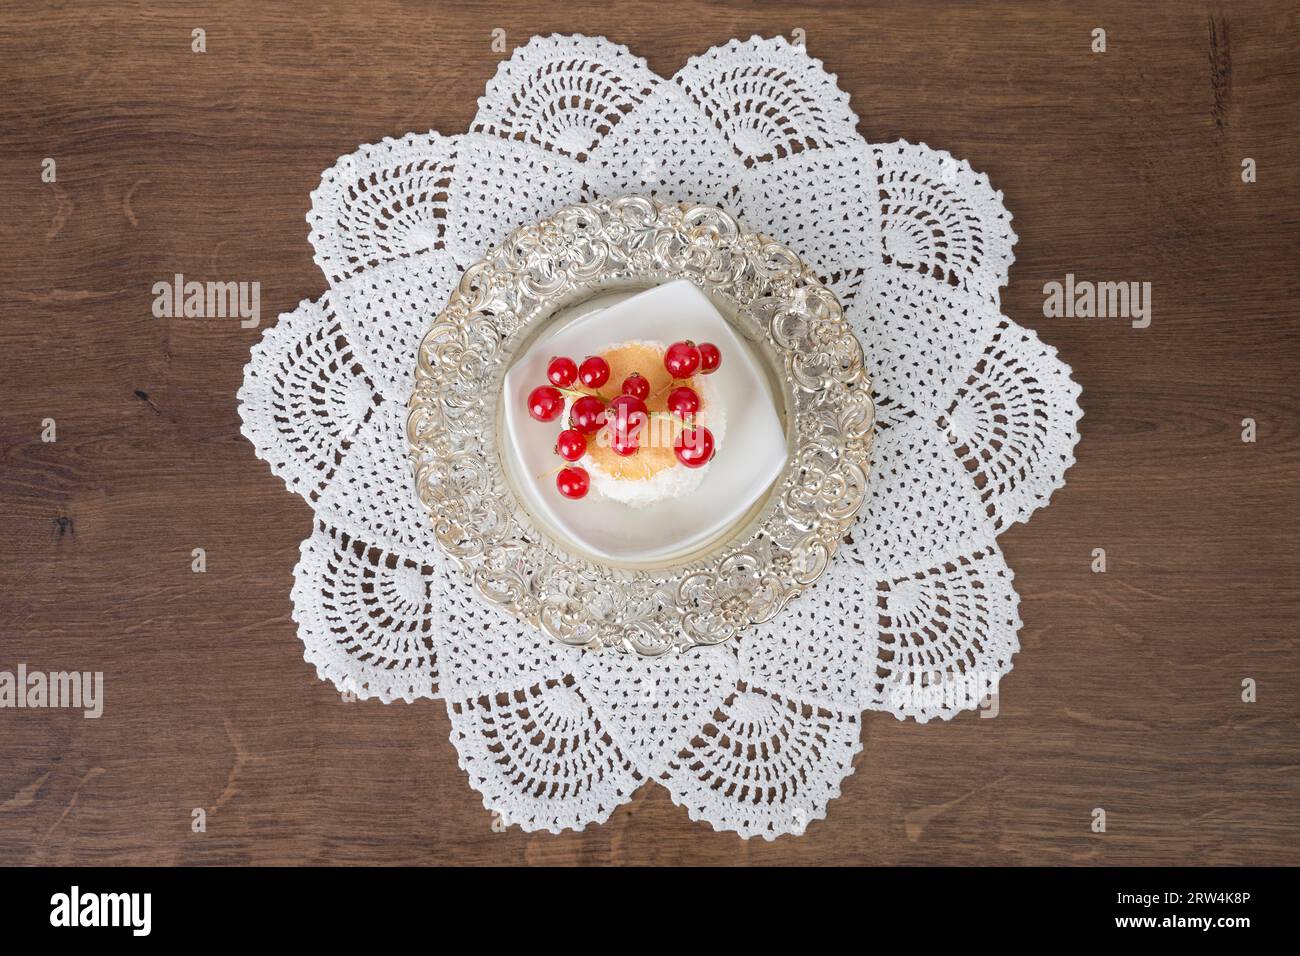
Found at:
<point>634,242</point>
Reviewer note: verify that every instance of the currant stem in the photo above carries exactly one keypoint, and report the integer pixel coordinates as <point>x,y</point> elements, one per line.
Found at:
<point>574,392</point>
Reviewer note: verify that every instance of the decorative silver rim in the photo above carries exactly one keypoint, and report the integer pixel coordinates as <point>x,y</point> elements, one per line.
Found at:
<point>787,315</point>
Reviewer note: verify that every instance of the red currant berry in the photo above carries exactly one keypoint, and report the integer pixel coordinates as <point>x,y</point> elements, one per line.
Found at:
<point>624,418</point>
<point>710,358</point>
<point>624,441</point>
<point>562,372</point>
<point>638,385</point>
<point>682,359</point>
<point>587,414</point>
<point>694,447</point>
<point>594,371</point>
<point>573,482</point>
<point>571,445</point>
<point>683,402</point>
<point>626,407</point>
<point>545,403</point>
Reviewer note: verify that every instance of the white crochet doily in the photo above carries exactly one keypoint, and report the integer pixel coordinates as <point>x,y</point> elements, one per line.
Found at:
<point>977,422</point>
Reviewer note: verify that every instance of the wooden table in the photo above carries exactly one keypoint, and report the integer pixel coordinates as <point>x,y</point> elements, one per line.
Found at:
<point>1118,166</point>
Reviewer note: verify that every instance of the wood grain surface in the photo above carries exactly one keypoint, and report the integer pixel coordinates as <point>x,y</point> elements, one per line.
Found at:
<point>1122,166</point>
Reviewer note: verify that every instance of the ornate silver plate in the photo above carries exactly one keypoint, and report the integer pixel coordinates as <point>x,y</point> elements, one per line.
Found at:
<point>796,328</point>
